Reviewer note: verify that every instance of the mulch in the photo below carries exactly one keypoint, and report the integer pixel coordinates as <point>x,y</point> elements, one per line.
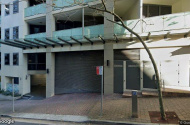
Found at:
<point>171,117</point>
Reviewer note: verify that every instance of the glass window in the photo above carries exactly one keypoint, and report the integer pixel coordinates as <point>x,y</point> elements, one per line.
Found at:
<point>7,36</point>
<point>145,11</point>
<point>15,59</point>
<point>15,32</point>
<point>166,10</point>
<point>156,10</point>
<point>7,10</point>
<point>37,61</point>
<point>32,58</point>
<point>16,80</point>
<point>153,10</point>
<point>7,59</point>
<point>41,58</point>
<point>15,6</point>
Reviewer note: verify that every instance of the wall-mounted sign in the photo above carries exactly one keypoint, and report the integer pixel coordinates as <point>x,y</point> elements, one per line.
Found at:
<point>99,70</point>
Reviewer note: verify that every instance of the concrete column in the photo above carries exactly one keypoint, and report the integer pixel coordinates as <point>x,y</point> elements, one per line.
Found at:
<point>109,26</point>
<point>4,81</point>
<point>25,83</point>
<point>50,57</point>
<point>108,50</point>
<point>108,70</point>
<point>50,76</point>
<point>141,9</point>
<point>50,19</point>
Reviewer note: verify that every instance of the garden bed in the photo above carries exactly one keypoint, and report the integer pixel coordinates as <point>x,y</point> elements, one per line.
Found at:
<point>7,98</point>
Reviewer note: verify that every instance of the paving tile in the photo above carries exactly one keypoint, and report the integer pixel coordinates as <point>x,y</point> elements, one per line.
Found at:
<point>114,107</point>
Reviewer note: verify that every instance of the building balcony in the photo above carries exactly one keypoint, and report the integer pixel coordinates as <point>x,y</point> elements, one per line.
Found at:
<point>37,35</point>
<point>62,3</point>
<point>89,31</point>
<point>35,10</point>
<point>169,22</point>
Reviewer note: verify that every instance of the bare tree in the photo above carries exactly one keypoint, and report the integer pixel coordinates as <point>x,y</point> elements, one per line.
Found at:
<point>121,23</point>
<point>144,45</point>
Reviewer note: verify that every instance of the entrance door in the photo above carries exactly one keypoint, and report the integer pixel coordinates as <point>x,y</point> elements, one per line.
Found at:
<point>169,72</point>
<point>118,77</point>
<point>133,74</point>
<point>149,75</point>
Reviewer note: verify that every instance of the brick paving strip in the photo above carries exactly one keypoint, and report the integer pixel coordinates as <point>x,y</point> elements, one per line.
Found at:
<point>115,108</point>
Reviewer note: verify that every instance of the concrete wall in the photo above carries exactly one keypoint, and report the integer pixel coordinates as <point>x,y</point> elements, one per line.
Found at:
<point>173,65</point>
<point>130,9</point>
<point>134,11</point>
<point>181,6</point>
<point>10,21</point>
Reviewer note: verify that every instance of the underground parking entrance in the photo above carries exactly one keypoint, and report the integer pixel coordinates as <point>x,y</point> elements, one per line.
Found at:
<point>36,68</point>
<point>38,86</point>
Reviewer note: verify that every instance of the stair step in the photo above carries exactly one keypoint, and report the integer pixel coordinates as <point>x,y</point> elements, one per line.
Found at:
<point>165,92</point>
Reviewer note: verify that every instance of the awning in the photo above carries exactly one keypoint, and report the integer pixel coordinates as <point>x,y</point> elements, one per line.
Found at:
<point>36,43</point>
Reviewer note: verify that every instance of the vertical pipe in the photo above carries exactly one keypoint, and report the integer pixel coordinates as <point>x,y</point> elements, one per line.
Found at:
<point>141,9</point>
<point>13,97</point>
<point>141,13</point>
<point>83,21</point>
<point>102,90</point>
<point>124,76</point>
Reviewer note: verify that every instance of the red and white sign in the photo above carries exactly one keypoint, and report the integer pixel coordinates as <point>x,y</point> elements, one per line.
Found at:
<point>99,70</point>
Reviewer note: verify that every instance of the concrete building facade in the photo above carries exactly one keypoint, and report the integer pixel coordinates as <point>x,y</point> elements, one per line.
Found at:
<point>56,46</point>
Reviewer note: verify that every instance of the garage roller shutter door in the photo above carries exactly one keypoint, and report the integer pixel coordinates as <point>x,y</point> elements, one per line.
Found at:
<point>75,72</point>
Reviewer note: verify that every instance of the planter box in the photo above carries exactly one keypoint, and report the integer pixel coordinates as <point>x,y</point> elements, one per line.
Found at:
<point>8,98</point>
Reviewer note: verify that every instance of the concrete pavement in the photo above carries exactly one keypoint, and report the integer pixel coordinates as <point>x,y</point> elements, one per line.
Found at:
<point>115,108</point>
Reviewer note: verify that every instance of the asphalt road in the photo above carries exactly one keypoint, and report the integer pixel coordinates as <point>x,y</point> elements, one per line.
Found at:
<point>24,123</point>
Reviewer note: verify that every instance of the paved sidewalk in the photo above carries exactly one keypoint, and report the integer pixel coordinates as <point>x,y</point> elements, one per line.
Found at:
<point>115,108</point>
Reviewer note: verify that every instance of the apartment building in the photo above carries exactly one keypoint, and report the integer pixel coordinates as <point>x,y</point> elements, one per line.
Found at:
<point>55,46</point>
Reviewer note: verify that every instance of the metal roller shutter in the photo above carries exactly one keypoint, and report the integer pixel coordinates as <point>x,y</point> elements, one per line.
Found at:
<point>75,72</point>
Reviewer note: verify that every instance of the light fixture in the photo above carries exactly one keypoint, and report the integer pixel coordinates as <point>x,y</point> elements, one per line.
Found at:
<point>108,62</point>
<point>47,70</point>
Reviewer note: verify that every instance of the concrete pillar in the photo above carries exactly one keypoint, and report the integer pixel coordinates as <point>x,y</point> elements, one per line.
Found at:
<point>4,81</point>
<point>109,26</point>
<point>50,76</point>
<point>50,57</point>
<point>108,50</point>
<point>50,19</point>
<point>141,9</point>
<point>24,82</point>
<point>108,70</point>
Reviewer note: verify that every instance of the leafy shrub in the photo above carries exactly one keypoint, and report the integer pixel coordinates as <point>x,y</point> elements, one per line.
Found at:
<point>8,93</point>
<point>1,91</point>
